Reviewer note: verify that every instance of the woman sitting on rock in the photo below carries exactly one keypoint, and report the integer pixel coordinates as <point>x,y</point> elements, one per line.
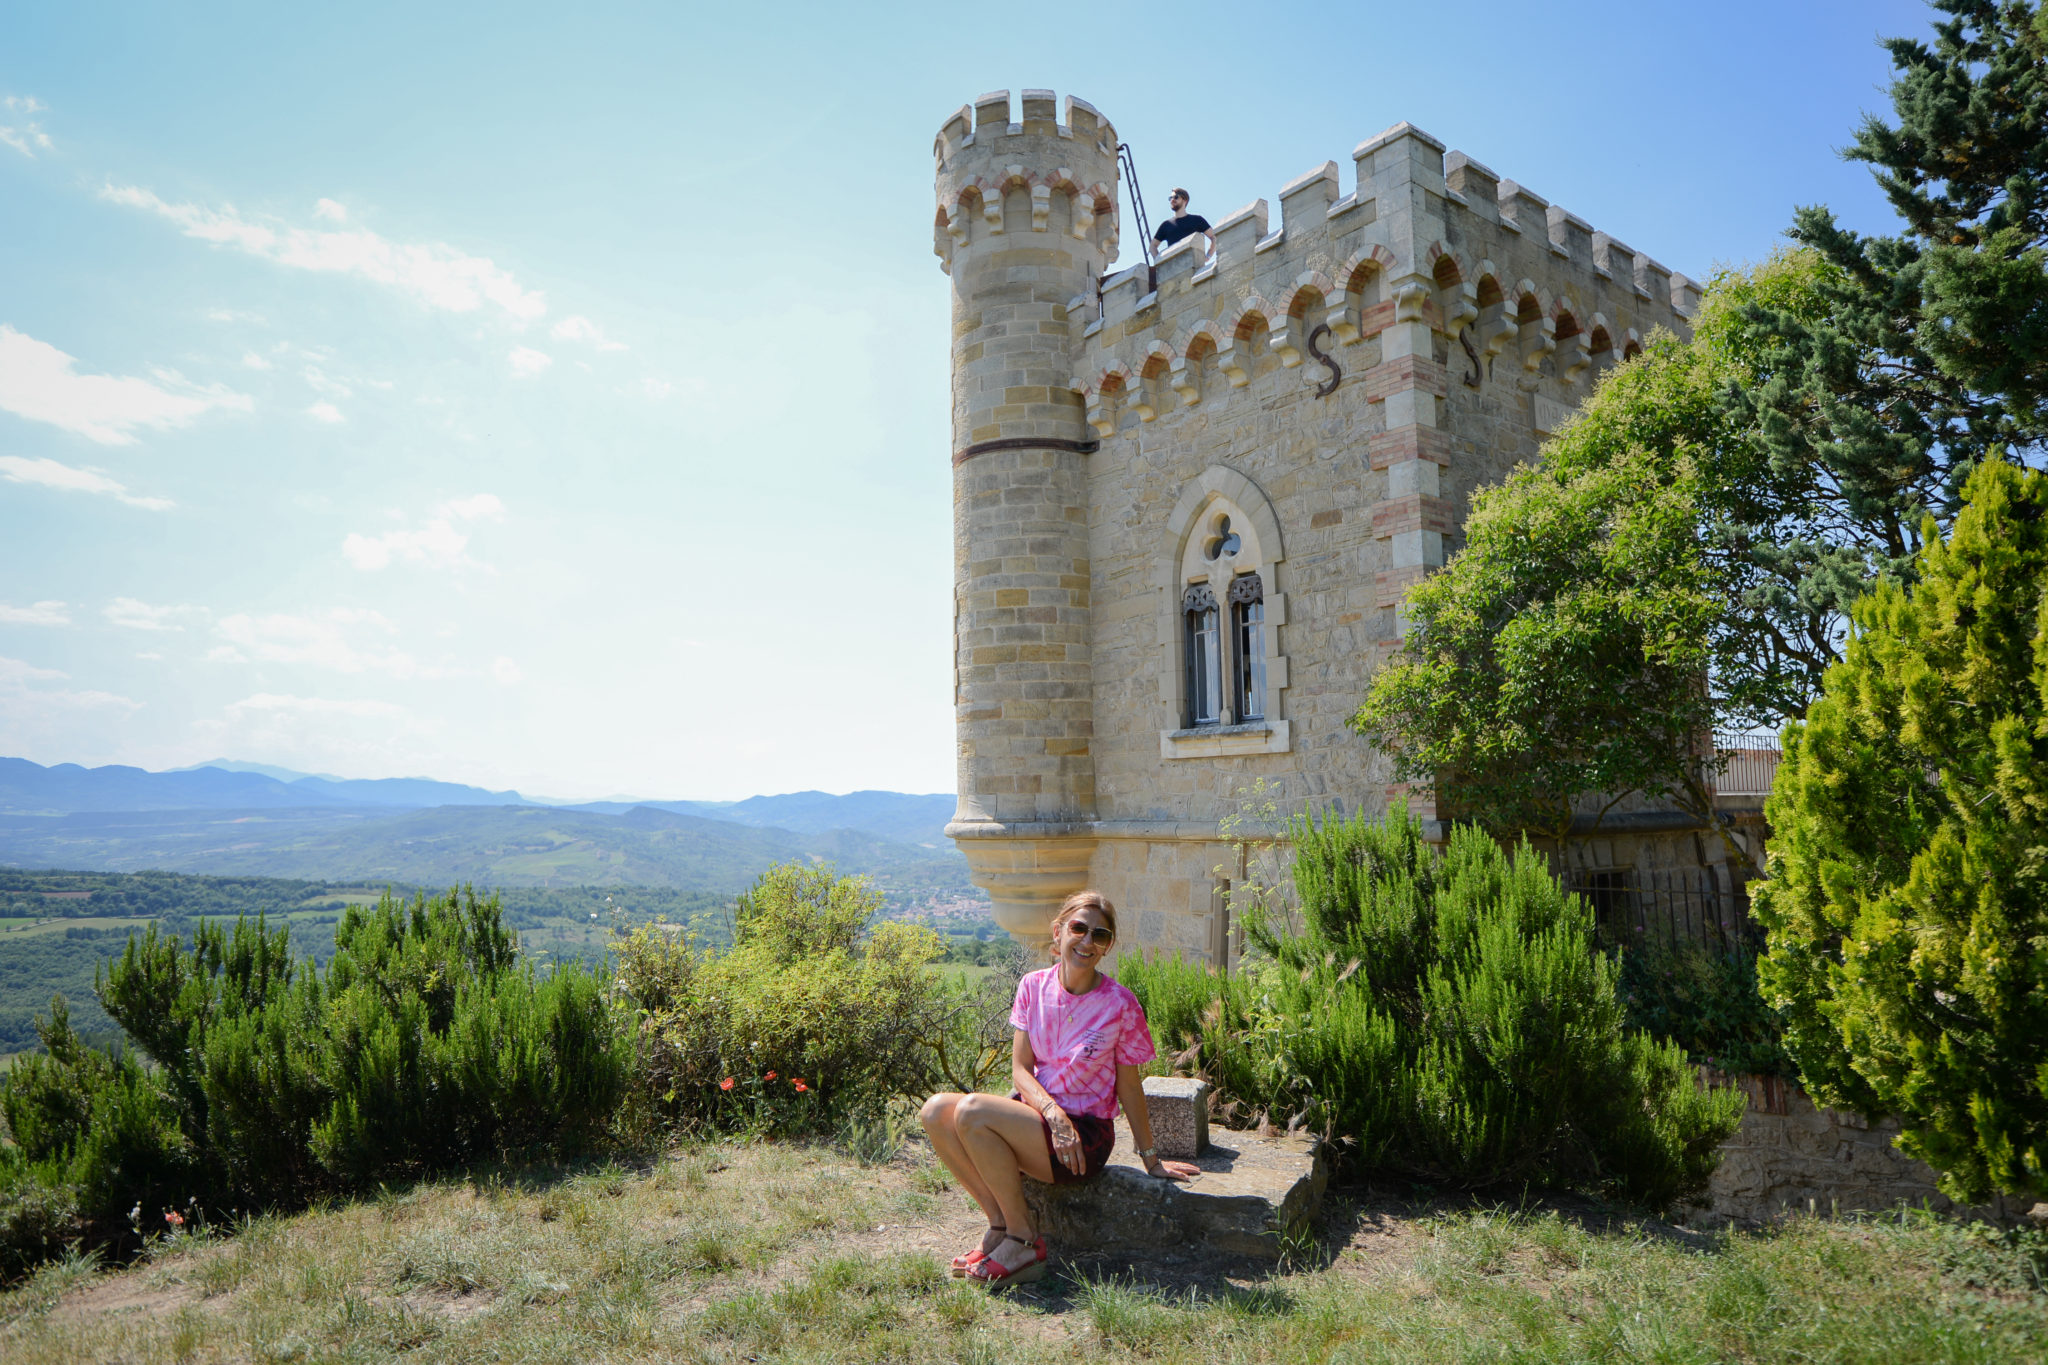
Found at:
<point>1080,1039</point>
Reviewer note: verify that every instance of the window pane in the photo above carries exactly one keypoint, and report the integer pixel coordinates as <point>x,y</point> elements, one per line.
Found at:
<point>1205,681</point>
<point>1249,680</point>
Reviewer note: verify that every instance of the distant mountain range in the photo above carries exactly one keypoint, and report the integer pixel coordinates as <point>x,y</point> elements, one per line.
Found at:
<point>278,823</point>
<point>67,789</point>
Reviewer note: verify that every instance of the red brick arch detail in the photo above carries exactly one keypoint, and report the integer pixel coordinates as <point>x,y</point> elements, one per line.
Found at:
<point>1317,287</point>
<point>1438,257</point>
<point>1361,266</point>
<point>1254,312</point>
<point>1198,341</point>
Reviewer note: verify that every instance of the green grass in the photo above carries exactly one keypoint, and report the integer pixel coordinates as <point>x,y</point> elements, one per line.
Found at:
<point>795,1253</point>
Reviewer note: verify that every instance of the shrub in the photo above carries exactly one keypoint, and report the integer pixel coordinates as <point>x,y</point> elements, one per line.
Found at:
<point>1706,1000</point>
<point>1449,1017</point>
<point>807,991</point>
<point>1906,913</point>
<point>426,1044</point>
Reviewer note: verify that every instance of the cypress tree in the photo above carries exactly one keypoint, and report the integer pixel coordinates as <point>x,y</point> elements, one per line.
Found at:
<point>1906,910</point>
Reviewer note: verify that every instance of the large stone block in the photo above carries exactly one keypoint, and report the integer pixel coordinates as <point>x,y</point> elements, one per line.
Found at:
<point>1179,1109</point>
<point>1252,1195</point>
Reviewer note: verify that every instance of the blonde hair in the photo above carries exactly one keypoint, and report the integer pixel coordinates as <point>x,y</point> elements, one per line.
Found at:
<point>1074,905</point>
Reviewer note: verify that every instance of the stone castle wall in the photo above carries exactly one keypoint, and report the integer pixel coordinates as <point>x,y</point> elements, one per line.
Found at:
<point>1790,1158</point>
<point>1462,318</point>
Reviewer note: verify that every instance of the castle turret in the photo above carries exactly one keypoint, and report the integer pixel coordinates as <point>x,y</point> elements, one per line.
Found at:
<point>1026,224</point>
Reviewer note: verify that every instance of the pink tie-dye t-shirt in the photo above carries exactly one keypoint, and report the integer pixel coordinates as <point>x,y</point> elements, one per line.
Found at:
<point>1078,1040</point>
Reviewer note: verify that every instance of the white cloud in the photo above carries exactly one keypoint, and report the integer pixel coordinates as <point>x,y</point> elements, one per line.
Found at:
<point>527,361</point>
<point>233,315</point>
<point>253,361</point>
<point>322,382</point>
<point>482,505</point>
<point>325,412</point>
<point>53,474</point>
<point>505,671</point>
<point>16,671</point>
<point>30,710</point>
<point>340,734</point>
<point>329,209</point>
<point>37,382</point>
<point>657,389</point>
<point>271,702</point>
<point>35,614</point>
<point>138,615</point>
<point>436,274</point>
<point>325,641</point>
<point>30,135</point>
<point>578,328</point>
<point>439,544</point>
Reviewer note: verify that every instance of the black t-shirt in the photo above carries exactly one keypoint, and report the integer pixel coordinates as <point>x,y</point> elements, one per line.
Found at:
<point>1173,229</point>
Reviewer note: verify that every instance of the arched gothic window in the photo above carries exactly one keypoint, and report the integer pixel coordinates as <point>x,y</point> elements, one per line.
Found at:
<point>1223,674</point>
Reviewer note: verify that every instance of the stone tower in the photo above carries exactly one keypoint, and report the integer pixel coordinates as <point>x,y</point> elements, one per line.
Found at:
<point>1027,225</point>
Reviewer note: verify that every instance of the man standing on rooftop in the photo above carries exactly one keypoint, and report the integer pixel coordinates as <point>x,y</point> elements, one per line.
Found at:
<point>1182,223</point>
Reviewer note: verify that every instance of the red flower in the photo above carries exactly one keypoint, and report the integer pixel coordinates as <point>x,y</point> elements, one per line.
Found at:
<point>799,1084</point>
<point>175,1219</point>
<point>725,1084</point>
<point>769,1077</point>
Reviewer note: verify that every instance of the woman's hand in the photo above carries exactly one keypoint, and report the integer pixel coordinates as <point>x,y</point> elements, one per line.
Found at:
<point>1161,1169</point>
<point>1066,1143</point>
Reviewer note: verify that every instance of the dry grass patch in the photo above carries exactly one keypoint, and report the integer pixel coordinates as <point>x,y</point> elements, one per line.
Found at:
<point>805,1253</point>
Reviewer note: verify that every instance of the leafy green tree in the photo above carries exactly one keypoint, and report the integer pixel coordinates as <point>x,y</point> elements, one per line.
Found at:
<point>1562,652</point>
<point>1906,910</point>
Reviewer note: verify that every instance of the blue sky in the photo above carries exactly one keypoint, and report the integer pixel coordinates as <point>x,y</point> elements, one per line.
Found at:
<point>555,397</point>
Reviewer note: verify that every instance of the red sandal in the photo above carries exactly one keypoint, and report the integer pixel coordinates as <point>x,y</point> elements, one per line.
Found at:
<point>993,1273</point>
<point>967,1260</point>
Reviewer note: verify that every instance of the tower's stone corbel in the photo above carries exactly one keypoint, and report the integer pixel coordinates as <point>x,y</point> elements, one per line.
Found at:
<point>1411,303</point>
<point>1539,339</point>
<point>1185,378</point>
<point>1497,327</point>
<point>1234,360</point>
<point>1285,339</point>
<point>1041,207</point>
<point>1460,306</point>
<point>1572,357</point>
<point>1101,416</point>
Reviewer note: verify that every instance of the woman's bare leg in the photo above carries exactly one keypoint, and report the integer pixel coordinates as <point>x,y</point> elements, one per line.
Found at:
<point>940,1117</point>
<point>1005,1139</point>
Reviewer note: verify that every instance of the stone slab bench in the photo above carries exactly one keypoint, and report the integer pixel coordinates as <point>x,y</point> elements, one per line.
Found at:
<point>1253,1193</point>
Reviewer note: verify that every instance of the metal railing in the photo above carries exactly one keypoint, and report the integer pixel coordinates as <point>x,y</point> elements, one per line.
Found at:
<point>1752,763</point>
<point>1708,906</point>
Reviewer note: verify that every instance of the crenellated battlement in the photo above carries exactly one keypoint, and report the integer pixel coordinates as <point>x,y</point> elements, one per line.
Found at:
<point>996,177</point>
<point>1423,235</point>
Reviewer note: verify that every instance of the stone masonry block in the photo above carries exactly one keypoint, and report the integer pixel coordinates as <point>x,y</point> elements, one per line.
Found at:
<point>1179,1107</point>
<point>1252,1196</point>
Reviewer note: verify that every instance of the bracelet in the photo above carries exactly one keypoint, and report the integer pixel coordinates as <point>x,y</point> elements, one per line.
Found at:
<point>1146,1154</point>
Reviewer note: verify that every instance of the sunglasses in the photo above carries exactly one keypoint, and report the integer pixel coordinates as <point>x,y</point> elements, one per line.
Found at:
<point>1100,933</point>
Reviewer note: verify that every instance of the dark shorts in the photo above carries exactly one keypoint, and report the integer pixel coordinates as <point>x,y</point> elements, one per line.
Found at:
<point>1098,1136</point>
